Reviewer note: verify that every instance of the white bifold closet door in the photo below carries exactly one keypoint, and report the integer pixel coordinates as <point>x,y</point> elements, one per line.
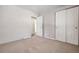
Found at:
<point>60,25</point>
<point>39,26</point>
<point>67,25</point>
<point>72,25</point>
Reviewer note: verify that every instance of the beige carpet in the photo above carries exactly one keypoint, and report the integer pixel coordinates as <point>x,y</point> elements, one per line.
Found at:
<point>38,45</point>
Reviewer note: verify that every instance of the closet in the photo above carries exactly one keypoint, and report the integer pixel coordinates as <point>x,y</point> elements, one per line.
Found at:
<point>67,25</point>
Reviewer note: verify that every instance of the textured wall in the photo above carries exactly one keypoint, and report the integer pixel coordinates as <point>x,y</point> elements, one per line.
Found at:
<point>15,23</point>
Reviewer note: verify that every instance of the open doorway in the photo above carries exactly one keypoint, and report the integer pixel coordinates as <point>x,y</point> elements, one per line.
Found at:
<point>37,26</point>
<point>34,25</point>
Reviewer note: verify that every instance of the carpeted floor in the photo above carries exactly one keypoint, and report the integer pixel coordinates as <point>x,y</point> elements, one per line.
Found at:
<point>38,45</point>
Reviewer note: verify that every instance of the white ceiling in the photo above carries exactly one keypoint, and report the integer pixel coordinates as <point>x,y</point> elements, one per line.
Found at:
<point>41,9</point>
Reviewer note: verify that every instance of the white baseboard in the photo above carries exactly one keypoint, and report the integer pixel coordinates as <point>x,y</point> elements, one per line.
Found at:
<point>8,40</point>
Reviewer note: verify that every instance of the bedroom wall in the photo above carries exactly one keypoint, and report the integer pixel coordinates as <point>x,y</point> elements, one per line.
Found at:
<point>49,25</point>
<point>15,23</point>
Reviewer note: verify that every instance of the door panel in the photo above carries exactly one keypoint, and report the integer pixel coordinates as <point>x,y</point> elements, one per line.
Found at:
<point>39,26</point>
<point>60,25</point>
<point>72,25</point>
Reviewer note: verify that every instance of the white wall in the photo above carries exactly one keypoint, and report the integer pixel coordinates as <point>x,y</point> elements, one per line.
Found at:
<point>15,23</point>
<point>49,25</point>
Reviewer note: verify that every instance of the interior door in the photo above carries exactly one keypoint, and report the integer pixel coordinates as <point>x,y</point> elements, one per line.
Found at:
<point>60,25</point>
<point>39,26</point>
<point>72,25</point>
